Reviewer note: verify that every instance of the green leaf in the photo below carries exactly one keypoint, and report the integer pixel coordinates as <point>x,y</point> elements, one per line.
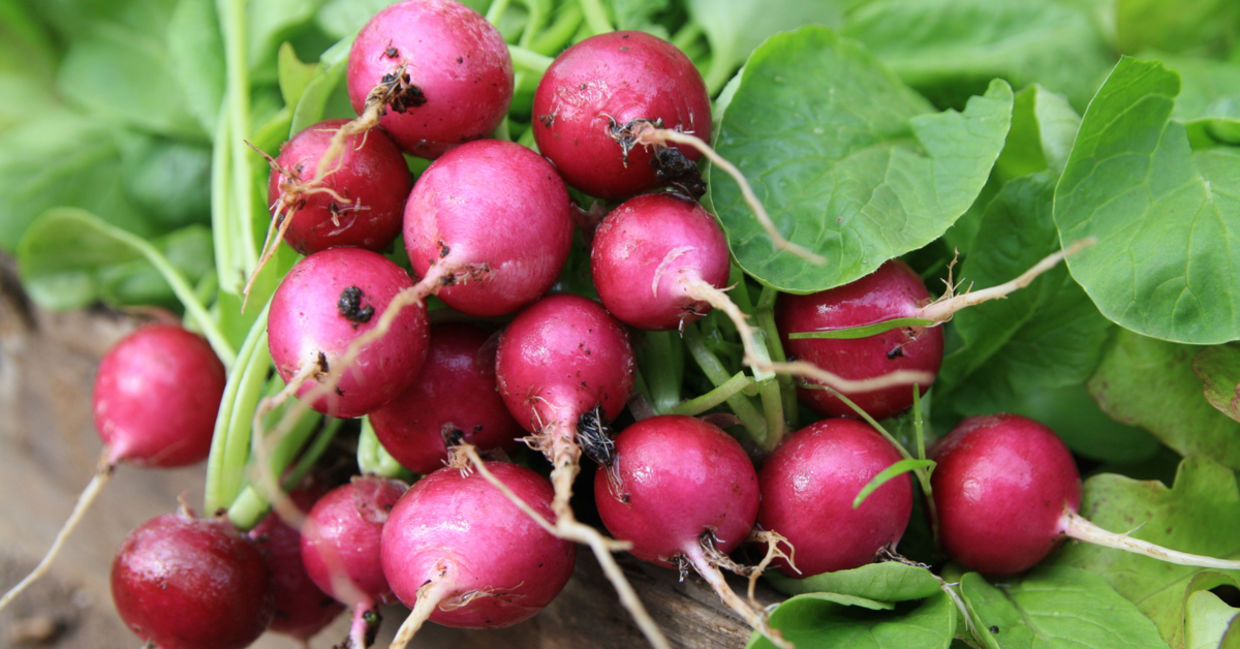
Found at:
<point>293,75</point>
<point>848,161</point>
<point>1150,383</point>
<point>196,58</point>
<point>1043,127</point>
<point>884,581</point>
<point>1204,27</point>
<point>1210,623</point>
<point>1219,369</point>
<point>168,179</point>
<point>272,22</point>
<point>951,49</point>
<point>1167,263</point>
<point>820,621</point>
<point>343,18</point>
<point>864,331</point>
<point>1200,514</point>
<point>1056,608</point>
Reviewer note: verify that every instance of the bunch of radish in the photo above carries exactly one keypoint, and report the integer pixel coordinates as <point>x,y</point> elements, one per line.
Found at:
<point>476,351</point>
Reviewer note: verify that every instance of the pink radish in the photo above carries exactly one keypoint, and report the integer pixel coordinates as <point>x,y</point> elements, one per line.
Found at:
<point>432,73</point>
<point>323,306</point>
<point>155,399</point>
<point>340,549</point>
<point>301,609</point>
<point>459,552</point>
<point>494,206</point>
<point>1008,492</point>
<point>183,583</point>
<point>808,487</point>
<point>600,86</point>
<point>456,391</point>
<point>684,493</point>
<point>659,261</point>
<point>359,203</point>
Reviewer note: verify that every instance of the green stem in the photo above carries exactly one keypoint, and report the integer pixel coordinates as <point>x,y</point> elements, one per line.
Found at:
<point>765,317</point>
<point>686,35</point>
<point>750,418</point>
<point>698,405</point>
<point>230,445</point>
<point>596,16</point>
<point>495,12</point>
<point>233,15</point>
<point>559,34</point>
<point>374,459</point>
<point>529,60</point>
<point>253,502</point>
<point>661,354</point>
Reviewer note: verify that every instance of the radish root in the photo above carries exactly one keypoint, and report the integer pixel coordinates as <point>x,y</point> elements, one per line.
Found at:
<point>430,595</point>
<point>706,560</point>
<point>1082,529</point>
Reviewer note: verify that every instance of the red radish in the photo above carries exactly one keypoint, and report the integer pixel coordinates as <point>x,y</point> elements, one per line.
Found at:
<point>457,550</point>
<point>808,487</point>
<point>326,303</point>
<point>493,205</point>
<point>1007,493</point>
<point>301,609</point>
<point>359,203</point>
<point>659,261</point>
<point>183,583</point>
<point>436,72</point>
<point>600,86</point>
<point>340,548</point>
<point>155,400</point>
<point>455,392</point>
<point>892,291</point>
<point>684,493</point>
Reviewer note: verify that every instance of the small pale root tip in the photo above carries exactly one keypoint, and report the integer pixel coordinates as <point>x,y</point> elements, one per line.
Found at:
<point>1082,529</point>
<point>706,560</point>
<point>429,596</point>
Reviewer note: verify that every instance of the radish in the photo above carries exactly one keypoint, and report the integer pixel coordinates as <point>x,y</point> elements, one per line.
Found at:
<point>340,549</point>
<point>496,207</point>
<point>359,203</point>
<point>684,493</point>
<point>457,550</point>
<point>456,391</point>
<point>301,609</point>
<point>184,583</point>
<point>1008,492</point>
<point>808,487</point>
<point>659,261</point>
<point>325,304</point>
<point>604,84</point>
<point>432,73</point>
<point>155,400</point>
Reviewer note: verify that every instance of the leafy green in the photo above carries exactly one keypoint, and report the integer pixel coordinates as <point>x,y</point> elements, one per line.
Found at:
<point>856,623</point>
<point>847,160</point>
<point>1201,27</point>
<point>1210,623</point>
<point>1200,514</point>
<point>1219,369</point>
<point>884,581</point>
<point>1150,383</point>
<point>1056,608</point>
<point>1167,263</point>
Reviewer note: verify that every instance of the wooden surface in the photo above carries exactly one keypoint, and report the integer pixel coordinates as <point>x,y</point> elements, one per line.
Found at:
<point>48,449</point>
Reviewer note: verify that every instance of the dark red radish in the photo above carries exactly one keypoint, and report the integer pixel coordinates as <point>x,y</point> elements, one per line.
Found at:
<point>322,307</point>
<point>156,396</point>
<point>456,391</point>
<point>301,609</point>
<point>185,583</point>
<point>340,548</point>
<point>658,261</point>
<point>893,291</point>
<point>1007,492</point>
<point>493,206</point>
<point>600,86</point>
<point>808,487</point>
<point>684,493</point>
<point>360,202</point>
<point>459,552</point>
<point>432,73</point>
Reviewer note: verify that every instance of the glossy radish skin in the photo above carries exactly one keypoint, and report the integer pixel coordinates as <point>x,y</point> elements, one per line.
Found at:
<point>645,251</point>
<point>340,540</point>
<point>457,59</point>
<point>620,76</point>
<point>455,391</point>
<point>677,478</point>
<point>156,396</point>
<point>1001,486</point>
<point>808,486</point>
<point>561,357</point>
<point>182,583</point>
<point>301,609</point>
<point>495,565</point>
<point>492,204</point>
<point>307,328</point>
<point>371,178</point>
<point>892,291</point>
